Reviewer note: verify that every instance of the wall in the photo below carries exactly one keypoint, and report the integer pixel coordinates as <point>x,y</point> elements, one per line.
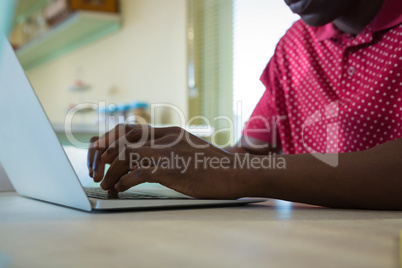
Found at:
<point>144,61</point>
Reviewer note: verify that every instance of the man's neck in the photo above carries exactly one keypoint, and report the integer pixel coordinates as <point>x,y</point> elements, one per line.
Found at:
<point>359,16</point>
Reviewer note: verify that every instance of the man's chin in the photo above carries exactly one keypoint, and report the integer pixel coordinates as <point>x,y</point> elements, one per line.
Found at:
<point>315,20</point>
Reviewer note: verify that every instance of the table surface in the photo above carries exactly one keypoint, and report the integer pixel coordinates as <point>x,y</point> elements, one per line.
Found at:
<point>269,234</point>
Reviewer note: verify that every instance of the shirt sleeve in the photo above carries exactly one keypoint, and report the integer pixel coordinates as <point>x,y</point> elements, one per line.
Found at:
<point>262,124</point>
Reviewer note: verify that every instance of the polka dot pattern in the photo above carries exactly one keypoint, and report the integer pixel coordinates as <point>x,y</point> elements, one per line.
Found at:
<point>341,94</point>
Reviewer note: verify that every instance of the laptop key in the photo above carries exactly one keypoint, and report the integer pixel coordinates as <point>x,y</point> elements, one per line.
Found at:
<point>101,194</point>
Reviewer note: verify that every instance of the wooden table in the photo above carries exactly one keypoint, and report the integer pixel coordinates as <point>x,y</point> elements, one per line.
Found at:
<point>270,234</point>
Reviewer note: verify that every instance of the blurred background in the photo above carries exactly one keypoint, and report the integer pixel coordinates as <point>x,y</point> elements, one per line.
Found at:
<point>116,58</point>
<point>191,63</point>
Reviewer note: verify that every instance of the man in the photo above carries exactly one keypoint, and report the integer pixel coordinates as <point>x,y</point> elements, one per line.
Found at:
<point>334,92</point>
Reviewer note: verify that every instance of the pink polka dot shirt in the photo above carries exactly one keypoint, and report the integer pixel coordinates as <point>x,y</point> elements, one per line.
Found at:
<point>329,92</point>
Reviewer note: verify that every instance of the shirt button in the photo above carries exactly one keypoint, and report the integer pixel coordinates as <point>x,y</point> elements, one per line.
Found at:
<point>351,70</point>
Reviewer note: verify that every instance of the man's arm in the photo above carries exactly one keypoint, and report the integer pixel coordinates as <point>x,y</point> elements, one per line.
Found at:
<point>369,179</point>
<point>253,146</point>
<point>366,180</point>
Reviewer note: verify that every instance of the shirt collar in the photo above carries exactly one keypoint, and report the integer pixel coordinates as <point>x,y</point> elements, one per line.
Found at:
<point>389,16</point>
<point>326,32</point>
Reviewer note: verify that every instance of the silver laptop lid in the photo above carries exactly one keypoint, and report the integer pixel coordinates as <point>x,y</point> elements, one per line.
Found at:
<point>30,152</point>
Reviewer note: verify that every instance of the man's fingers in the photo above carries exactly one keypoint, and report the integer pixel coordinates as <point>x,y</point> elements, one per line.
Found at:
<point>112,192</point>
<point>98,166</point>
<point>136,140</point>
<point>133,139</point>
<point>111,136</point>
<point>133,149</point>
<point>138,176</point>
<point>133,159</point>
<point>119,167</point>
<point>91,153</point>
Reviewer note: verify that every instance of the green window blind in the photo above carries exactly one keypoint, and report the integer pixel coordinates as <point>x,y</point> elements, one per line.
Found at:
<point>210,39</point>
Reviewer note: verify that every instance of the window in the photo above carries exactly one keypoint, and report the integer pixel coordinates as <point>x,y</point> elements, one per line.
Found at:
<point>210,43</point>
<point>229,44</point>
<point>258,25</point>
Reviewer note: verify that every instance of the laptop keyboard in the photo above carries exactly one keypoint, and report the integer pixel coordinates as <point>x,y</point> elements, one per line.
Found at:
<point>101,194</point>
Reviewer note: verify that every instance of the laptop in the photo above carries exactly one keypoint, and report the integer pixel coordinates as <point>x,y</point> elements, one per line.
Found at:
<point>37,164</point>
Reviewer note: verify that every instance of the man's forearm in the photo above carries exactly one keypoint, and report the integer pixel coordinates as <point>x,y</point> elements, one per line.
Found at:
<point>370,179</point>
<point>235,150</point>
<point>250,145</point>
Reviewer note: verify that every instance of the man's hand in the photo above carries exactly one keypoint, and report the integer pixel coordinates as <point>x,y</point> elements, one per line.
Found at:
<point>135,152</point>
<point>170,156</point>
